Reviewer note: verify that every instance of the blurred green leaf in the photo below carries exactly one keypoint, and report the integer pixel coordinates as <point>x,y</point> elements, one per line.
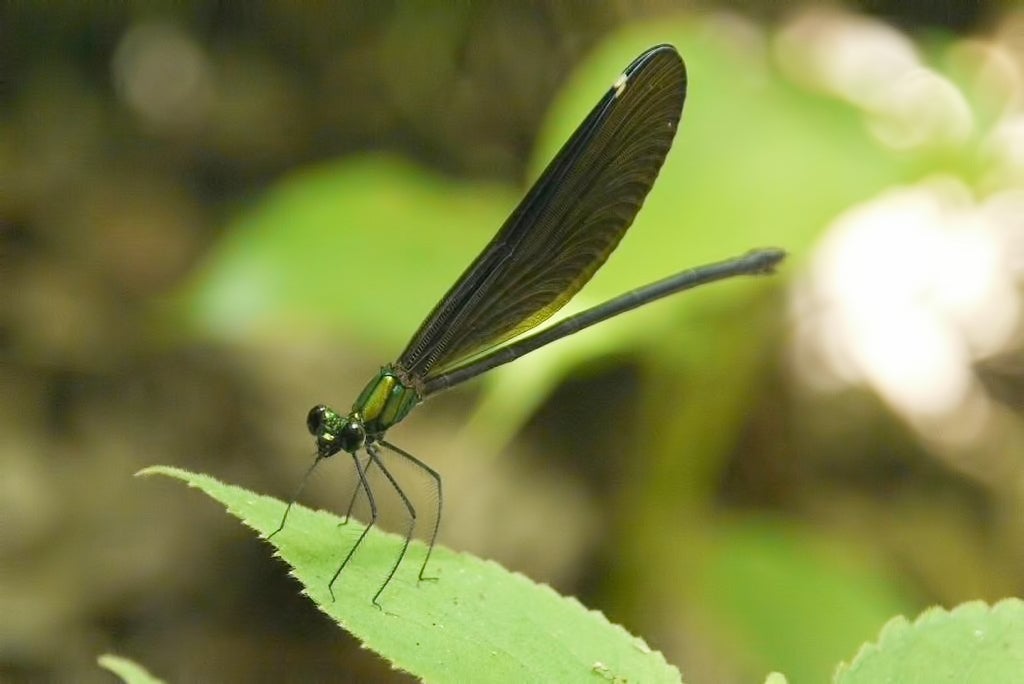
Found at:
<point>757,161</point>
<point>799,602</point>
<point>365,246</point>
<point>973,644</point>
<point>477,622</point>
<point>129,671</point>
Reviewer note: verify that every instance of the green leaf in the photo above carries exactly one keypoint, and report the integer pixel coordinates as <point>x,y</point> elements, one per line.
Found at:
<point>129,671</point>
<point>750,165</point>
<point>797,599</point>
<point>364,245</point>
<point>973,643</point>
<point>478,622</point>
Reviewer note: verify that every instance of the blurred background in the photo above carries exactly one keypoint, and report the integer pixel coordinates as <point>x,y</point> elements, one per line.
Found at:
<point>214,216</point>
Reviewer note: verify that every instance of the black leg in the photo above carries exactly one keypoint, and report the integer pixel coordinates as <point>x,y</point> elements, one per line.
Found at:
<point>373,520</point>
<point>375,457</point>
<point>440,500</point>
<point>355,493</point>
<point>288,508</point>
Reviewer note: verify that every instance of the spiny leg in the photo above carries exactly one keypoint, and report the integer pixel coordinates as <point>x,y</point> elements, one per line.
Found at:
<point>375,457</point>
<point>373,520</point>
<point>355,493</point>
<point>298,492</point>
<point>440,500</point>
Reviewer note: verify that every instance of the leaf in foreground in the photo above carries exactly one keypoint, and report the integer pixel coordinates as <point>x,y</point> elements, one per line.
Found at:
<point>974,643</point>
<point>478,622</point>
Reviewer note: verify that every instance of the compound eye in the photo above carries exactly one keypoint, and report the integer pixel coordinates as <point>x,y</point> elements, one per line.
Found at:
<point>352,436</point>
<point>315,419</point>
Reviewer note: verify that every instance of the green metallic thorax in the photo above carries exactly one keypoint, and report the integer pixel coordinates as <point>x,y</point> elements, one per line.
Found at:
<point>384,402</point>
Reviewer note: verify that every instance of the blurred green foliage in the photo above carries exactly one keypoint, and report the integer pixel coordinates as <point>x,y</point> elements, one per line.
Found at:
<point>129,671</point>
<point>182,289</point>
<point>361,246</point>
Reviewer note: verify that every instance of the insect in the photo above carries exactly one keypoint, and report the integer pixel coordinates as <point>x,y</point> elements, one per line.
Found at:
<point>549,247</point>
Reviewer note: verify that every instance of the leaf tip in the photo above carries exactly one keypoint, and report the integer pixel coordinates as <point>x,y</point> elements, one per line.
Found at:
<point>168,471</point>
<point>128,670</point>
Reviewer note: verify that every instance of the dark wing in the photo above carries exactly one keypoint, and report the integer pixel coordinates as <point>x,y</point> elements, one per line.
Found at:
<point>566,226</point>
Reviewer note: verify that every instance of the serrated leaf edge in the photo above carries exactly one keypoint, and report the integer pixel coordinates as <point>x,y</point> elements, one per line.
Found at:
<point>901,624</point>
<point>181,474</point>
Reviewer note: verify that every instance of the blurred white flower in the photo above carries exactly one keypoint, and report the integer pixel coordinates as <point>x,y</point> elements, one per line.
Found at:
<point>905,292</point>
<point>878,69</point>
<point>163,75</point>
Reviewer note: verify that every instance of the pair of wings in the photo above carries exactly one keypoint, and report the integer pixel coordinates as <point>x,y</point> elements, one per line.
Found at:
<point>566,226</point>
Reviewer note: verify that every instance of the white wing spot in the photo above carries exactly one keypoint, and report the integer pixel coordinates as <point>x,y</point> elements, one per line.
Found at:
<point>620,85</point>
